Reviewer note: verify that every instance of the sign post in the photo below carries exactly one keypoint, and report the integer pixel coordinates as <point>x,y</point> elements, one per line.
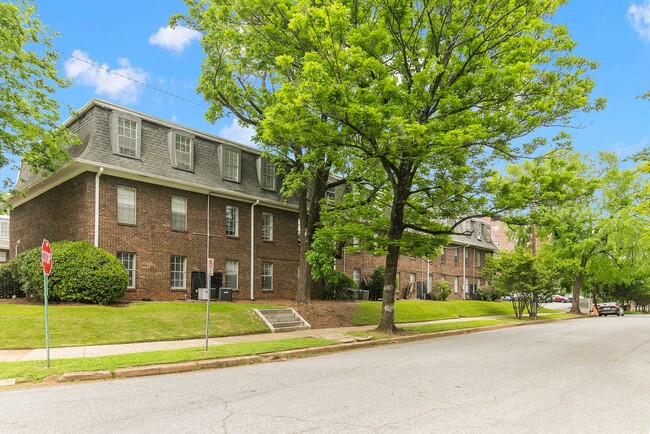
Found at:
<point>46,261</point>
<point>210,269</point>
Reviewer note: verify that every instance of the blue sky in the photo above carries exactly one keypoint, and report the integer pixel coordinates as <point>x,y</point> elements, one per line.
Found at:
<point>130,38</point>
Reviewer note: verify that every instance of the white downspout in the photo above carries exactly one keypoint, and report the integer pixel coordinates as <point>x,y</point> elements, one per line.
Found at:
<point>464,273</point>
<point>99,173</point>
<point>253,248</point>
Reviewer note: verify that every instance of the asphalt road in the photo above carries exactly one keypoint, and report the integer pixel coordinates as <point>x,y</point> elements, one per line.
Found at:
<point>580,376</point>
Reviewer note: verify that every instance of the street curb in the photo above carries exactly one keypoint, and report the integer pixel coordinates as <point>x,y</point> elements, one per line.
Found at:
<point>173,368</point>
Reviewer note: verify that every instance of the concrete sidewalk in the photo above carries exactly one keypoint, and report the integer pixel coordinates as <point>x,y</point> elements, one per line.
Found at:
<point>336,334</point>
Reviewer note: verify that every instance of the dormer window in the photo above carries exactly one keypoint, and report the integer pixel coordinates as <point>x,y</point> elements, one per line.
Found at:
<point>479,231</point>
<point>125,134</point>
<point>230,163</point>
<point>267,174</point>
<point>181,150</point>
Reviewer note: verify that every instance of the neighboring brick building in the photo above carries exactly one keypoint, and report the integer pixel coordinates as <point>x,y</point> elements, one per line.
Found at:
<point>500,234</point>
<point>460,264</point>
<point>150,191</point>
<point>155,182</point>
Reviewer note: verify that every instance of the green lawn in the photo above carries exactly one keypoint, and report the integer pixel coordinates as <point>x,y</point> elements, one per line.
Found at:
<point>36,370</point>
<point>369,312</point>
<point>23,326</point>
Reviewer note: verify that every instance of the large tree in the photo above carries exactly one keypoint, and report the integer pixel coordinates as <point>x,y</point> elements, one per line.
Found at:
<point>247,44</point>
<point>29,115</point>
<point>430,93</point>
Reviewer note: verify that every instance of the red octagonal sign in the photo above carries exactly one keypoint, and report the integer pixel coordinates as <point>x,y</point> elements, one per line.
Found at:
<point>46,257</point>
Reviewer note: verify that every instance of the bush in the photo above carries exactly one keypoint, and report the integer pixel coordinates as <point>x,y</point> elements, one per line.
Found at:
<point>489,294</point>
<point>9,282</point>
<point>81,273</point>
<point>336,286</point>
<point>375,285</point>
<point>440,290</point>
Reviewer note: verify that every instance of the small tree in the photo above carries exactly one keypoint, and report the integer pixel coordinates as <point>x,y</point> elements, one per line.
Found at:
<point>81,273</point>
<point>527,278</point>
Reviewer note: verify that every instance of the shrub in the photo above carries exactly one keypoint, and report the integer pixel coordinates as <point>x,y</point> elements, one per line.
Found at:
<point>9,282</point>
<point>375,285</point>
<point>336,286</point>
<point>81,273</point>
<point>489,294</point>
<point>440,290</point>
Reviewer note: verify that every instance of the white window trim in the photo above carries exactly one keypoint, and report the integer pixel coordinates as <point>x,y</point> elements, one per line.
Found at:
<point>113,121</point>
<point>268,228</point>
<point>184,200</point>
<point>222,162</point>
<point>236,274</point>
<point>184,273</point>
<point>262,163</point>
<point>171,142</point>
<point>135,205</point>
<point>132,285</point>
<point>356,275</point>
<point>267,275</point>
<point>236,220</point>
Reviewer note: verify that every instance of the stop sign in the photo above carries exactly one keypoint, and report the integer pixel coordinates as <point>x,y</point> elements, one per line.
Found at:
<point>46,257</point>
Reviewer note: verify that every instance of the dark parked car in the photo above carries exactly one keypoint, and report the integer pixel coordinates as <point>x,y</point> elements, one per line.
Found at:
<point>609,308</point>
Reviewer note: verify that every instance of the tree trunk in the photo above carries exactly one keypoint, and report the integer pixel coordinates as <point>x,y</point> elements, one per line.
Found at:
<point>387,323</point>
<point>575,304</point>
<point>309,215</point>
<point>395,230</point>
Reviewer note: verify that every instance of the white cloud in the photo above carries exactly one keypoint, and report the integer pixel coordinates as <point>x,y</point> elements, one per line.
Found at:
<point>237,133</point>
<point>106,81</point>
<point>625,150</point>
<point>174,39</point>
<point>639,16</point>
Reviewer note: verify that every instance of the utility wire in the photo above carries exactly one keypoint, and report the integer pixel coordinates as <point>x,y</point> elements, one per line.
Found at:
<point>110,71</point>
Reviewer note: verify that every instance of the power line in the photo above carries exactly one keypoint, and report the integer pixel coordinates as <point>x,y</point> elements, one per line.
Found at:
<point>110,71</point>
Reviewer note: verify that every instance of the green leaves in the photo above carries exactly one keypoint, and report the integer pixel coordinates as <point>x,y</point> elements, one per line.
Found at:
<point>29,116</point>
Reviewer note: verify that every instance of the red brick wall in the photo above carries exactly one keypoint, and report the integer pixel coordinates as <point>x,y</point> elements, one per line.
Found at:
<point>63,213</point>
<point>154,242</point>
<point>67,213</point>
<point>448,270</point>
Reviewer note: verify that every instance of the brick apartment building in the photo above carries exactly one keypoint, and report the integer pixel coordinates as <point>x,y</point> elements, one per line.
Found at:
<point>163,198</point>
<point>460,264</point>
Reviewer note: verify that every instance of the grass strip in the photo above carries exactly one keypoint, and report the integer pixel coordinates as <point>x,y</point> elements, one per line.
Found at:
<point>30,371</point>
<point>369,312</point>
<point>23,326</point>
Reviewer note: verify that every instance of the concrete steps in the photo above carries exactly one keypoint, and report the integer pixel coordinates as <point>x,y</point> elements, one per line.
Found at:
<point>282,320</point>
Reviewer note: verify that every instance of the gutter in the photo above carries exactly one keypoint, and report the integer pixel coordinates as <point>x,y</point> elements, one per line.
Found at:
<point>253,248</point>
<point>99,173</point>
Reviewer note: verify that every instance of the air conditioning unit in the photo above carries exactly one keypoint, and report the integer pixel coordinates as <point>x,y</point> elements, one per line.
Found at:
<point>204,293</point>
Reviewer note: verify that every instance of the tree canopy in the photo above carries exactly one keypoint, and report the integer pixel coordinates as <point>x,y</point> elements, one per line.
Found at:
<point>29,115</point>
<point>416,100</point>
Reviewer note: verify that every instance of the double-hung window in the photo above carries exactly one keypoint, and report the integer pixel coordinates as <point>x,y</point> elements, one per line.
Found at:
<point>128,260</point>
<point>268,178</point>
<point>232,273</point>
<point>356,275</point>
<point>179,213</point>
<point>126,205</point>
<point>125,134</point>
<point>267,226</point>
<point>177,272</point>
<point>267,276</point>
<point>231,164</point>
<point>183,151</point>
<point>127,137</point>
<point>232,221</point>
